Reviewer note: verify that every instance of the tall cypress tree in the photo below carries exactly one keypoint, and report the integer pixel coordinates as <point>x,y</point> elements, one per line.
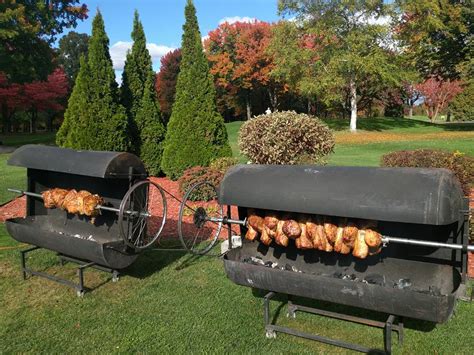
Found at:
<point>196,132</point>
<point>94,118</point>
<point>137,66</point>
<point>150,127</point>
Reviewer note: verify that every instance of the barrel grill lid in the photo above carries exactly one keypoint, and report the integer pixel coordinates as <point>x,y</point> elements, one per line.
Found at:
<point>86,163</point>
<point>408,195</point>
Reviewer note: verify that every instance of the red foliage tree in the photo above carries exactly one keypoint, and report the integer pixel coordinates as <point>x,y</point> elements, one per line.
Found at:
<point>241,63</point>
<point>437,94</point>
<point>37,96</point>
<point>165,82</point>
<point>10,100</point>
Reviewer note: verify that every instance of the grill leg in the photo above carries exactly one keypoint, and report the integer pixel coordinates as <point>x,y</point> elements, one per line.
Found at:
<point>23,264</point>
<point>291,308</point>
<point>400,331</point>
<point>388,334</point>
<point>269,331</point>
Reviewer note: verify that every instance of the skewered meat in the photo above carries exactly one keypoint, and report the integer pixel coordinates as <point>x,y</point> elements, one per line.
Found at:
<point>339,245</point>
<point>292,229</point>
<point>251,233</point>
<point>373,241</point>
<point>361,250</point>
<point>265,238</point>
<point>270,224</point>
<point>331,230</point>
<point>350,234</point>
<point>256,222</point>
<point>82,202</point>
<point>303,241</point>
<point>281,238</point>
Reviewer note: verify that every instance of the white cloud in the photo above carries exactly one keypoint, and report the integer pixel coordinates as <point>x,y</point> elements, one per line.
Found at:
<point>234,19</point>
<point>118,52</point>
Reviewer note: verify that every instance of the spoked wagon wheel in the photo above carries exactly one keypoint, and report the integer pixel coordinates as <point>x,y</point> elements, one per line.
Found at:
<point>135,217</point>
<point>200,223</point>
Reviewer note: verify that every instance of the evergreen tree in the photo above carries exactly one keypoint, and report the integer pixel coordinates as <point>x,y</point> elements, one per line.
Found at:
<point>196,133</point>
<point>137,66</point>
<point>151,128</point>
<point>70,131</point>
<point>94,119</point>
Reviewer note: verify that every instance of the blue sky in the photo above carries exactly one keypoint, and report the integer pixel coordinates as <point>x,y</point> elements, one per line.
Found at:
<point>163,20</point>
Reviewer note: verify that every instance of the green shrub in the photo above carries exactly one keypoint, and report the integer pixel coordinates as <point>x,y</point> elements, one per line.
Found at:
<point>223,164</point>
<point>198,174</point>
<point>462,107</point>
<point>461,165</point>
<point>285,138</point>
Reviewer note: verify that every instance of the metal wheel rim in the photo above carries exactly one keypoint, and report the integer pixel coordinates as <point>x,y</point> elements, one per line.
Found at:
<point>123,215</point>
<point>181,215</point>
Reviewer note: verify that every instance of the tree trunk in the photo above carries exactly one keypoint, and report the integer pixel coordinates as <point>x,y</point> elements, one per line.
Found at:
<point>34,116</point>
<point>353,93</point>
<point>50,122</point>
<point>410,111</point>
<point>273,99</point>
<point>309,106</point>
<point>6,119</point>
<point>249,108</point>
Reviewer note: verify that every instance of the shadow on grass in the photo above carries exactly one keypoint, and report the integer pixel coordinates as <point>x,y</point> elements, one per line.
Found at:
<point>378,124</point>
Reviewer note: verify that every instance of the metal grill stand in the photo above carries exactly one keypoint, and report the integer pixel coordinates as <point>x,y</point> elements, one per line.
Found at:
<point>79,287</point>
<point>388,326</point>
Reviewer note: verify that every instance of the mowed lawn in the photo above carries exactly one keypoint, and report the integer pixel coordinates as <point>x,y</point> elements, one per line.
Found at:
<point>378,136</point>
<point>170,302</point>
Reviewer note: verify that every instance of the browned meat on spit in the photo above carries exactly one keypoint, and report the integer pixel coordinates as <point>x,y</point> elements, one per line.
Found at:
<point>281,238</point>
<point>82,202</point>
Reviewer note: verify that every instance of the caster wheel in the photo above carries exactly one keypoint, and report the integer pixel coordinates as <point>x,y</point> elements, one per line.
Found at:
<point>115,279</point>
<point>80,293</point>
<point>291,315</point>
<point>270,334</point>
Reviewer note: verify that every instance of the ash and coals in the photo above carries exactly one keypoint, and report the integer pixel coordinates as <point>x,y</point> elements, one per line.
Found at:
<point>370,279</point>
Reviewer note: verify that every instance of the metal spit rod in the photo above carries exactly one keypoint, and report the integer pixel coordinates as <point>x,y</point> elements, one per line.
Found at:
<point>427,243</point>
<point>105,208</point>
<point>385,239</point>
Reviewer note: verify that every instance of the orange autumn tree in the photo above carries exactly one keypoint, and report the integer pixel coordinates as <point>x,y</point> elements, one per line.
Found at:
<point>241,64</point>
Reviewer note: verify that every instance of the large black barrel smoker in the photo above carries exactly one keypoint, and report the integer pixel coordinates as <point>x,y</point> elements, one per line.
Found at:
<point>421,219</point>
<point>113,239</point>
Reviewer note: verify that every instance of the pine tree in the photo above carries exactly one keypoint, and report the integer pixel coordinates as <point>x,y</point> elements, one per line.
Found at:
<point>135,73</point>
<point>94,119</point>
<point>151,128</point>
<point>196,133</point>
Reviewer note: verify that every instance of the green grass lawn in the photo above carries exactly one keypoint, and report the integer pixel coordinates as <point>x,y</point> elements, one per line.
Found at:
<point>10,176</point>
<point>369,154</point>
<point>20,139</point>
<point>170,302</point>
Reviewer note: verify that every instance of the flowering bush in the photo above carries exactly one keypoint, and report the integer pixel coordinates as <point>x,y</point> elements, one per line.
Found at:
<point>285,138</point>
<point>461,165</point>
<point>223,164</point>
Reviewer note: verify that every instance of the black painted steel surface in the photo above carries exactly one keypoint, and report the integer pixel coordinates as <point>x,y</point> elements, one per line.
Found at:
<point>407,195</point>
<point>86,163</point>
<point>431,296</point>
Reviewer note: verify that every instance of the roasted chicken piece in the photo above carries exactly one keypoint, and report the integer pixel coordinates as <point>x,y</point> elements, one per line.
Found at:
<point>350,234</point>
<point>361,250</point>
<point>303,241</point>
<point>281,238</point>
<point>54,197</point>
<point>331,230</point>
<point>339,245</point>
<point>292,229</point>
<point>373,240</point>
<point>90,204</point>
<point>70,202</point>
<point>251,234</point>
<point>254,227</point>
<point>265,238</point>
<point>270,223</point>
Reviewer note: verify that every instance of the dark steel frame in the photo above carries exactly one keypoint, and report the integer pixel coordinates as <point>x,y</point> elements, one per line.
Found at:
<point>79,287</point>
<point>388,326</point>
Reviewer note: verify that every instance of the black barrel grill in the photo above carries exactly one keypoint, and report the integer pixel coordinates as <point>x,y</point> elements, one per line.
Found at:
<point>74,237</point>
<point>404,280</point>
